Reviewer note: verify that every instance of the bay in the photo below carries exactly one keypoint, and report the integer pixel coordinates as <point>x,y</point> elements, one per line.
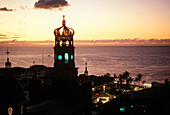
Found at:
<point>152,62</point>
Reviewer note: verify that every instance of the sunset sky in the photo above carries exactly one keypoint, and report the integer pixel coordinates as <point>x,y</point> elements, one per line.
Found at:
<point>96,22</point>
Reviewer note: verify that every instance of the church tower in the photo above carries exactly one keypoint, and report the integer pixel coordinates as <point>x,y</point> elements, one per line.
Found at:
<point>86,72</point>
<point>7,64</point>
<point>64,47</point>
<point>64,64</point>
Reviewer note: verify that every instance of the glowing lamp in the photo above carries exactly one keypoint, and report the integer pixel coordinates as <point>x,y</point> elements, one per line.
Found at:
<point>22,110</point>
<point>10,111</point>
<point>122,108</point>
<point>97,94</point>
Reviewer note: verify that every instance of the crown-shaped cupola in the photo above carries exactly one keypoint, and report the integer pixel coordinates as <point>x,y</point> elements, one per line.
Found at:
<point>63,35</point>
<point>64,48</point>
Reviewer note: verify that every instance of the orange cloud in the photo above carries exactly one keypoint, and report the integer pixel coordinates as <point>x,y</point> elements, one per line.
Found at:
<point>9,35</point>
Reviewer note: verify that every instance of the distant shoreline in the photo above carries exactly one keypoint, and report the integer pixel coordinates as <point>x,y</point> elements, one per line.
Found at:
<point>76,46</point>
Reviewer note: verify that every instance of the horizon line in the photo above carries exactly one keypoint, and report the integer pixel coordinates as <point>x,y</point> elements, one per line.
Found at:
<point>104,42</point>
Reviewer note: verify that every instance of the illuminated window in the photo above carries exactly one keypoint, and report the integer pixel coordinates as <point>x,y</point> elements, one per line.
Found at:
<point>60,57</point>
<point>10,111</point>
<point>66,58</point>
<point>72,57</point>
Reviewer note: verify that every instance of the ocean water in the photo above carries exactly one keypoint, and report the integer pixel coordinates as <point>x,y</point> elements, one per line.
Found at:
<point>152,62</point>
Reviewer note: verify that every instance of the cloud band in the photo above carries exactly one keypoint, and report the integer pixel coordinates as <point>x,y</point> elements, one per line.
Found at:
<point>5,9</point>
<point>50,4</point>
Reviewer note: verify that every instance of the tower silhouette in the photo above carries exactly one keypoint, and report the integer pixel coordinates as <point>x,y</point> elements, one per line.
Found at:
<point>8,63</point>
<point>86,72</point>
<point>64,48</point>
<point>64,64</point>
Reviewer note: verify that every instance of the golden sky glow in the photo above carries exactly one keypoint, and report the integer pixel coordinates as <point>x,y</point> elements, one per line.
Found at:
<point>91,20</point>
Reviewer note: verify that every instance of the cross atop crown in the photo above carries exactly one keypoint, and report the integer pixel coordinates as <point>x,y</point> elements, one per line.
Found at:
<point>64,22</point>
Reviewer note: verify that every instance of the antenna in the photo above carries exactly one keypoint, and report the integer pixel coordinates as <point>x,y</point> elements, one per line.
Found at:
<point>86,64</point>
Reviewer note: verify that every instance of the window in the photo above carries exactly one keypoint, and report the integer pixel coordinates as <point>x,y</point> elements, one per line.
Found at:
<point>60,57</point>
<point>66,57</point>
<point>72,57</point>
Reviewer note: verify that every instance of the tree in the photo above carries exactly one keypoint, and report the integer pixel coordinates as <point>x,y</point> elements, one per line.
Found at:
<point>115,76</point>
<point>121,79</point>
<point>130,79</point>
<point>138,78</point>
<point>126,76</point>
<point>143,82</point>
<point>107,75</point>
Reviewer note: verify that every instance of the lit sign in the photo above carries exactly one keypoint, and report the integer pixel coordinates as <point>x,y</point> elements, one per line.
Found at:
<point>10,111</point>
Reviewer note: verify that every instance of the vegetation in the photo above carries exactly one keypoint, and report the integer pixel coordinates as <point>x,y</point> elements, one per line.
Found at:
<point>138,78</point>
<point>126,77</point>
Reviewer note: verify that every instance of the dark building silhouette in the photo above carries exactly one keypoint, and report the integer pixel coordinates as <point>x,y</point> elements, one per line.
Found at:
<point>12,98</point>
<point>8,63</point>
<point>64,72</point>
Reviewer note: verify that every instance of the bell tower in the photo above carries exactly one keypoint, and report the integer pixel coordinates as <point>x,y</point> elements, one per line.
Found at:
<point>64,65</point>
<point>64,48</point>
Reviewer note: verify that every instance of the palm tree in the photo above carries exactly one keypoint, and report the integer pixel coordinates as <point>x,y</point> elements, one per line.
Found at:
<point>115,76</point>
<point>121,79</point>
<point>143,82</point>
<point>138,78</point>
<point>126,76</point>
<point>107,75</point>
<point>130,79</point>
